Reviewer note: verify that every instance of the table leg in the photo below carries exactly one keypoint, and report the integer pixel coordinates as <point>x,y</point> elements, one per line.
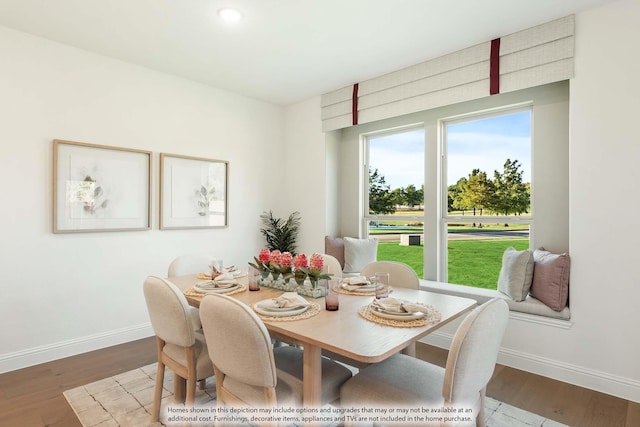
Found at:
<point>410,350</point>
<point>312,376</point>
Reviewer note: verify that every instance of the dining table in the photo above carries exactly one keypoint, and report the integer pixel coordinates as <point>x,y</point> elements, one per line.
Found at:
<point>345,332</point>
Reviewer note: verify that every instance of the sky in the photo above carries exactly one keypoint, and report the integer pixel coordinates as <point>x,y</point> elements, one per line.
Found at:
<point>484,144</point>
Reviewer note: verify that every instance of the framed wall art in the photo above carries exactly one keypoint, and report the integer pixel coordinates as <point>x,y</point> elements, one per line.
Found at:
<point>193,192</point>
<point>100,188</point>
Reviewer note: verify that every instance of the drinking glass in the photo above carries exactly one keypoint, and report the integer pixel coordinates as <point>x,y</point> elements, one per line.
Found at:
<point>254,279</point>
<point>332,296</point>
<point>382,285</point>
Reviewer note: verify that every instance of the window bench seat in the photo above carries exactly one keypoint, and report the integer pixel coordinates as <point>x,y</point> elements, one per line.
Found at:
<point>529,306</point>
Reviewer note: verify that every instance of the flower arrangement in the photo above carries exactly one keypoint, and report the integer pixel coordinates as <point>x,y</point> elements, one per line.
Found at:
<point>300,268</point>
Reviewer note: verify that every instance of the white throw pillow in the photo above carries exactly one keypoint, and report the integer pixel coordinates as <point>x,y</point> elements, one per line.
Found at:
<point>358,253</point>
<point>516,273</point>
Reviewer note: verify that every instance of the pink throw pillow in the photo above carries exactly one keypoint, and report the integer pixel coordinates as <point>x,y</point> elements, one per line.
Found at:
<point>334,246</point>
<point>551,278</point>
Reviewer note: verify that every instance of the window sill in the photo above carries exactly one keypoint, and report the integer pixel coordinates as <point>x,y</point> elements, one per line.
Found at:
<point>530,310</point>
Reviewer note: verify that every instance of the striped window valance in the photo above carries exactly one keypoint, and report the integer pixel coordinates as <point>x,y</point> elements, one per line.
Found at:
<point>528,58</point>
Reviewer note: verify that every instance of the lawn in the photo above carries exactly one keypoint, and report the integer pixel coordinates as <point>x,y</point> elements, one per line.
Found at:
<point>471,262</point>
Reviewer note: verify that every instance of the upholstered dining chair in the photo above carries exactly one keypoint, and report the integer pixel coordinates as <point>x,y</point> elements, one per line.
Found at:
<point>179,347</point>
<point>332,266</point>
<point>400,274</point>
<point>189,264</point>
<point>402,381</point>
<point>248,370</point>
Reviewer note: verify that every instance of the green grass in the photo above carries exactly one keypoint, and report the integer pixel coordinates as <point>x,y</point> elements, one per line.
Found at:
<point>471,262</point>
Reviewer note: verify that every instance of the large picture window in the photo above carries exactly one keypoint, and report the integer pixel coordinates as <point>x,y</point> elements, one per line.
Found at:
<point>494,175</point>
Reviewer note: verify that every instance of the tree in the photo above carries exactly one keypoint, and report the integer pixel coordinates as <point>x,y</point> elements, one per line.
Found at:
<point>380,198</point>
<point>477,191</point>
<point>413,196</point>
<point>398,198</point>
<point>511,195</point>
<point>454,196</point>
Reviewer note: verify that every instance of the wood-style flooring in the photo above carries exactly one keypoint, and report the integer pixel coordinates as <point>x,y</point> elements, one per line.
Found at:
<point>32,397</point>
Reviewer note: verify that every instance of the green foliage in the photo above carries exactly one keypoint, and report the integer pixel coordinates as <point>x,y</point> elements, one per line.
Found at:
<point>380,198</point>
<point>504,194</point>
<point>474,263</point>
<point>279,233</point>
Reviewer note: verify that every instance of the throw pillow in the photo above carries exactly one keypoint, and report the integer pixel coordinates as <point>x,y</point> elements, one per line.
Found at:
<point>334,246</point>
<point>551,278</point>
<point>358,253</point>
<point>516,273</point>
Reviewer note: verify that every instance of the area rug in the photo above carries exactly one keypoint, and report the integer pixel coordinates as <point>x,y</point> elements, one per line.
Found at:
<point>126,400</point>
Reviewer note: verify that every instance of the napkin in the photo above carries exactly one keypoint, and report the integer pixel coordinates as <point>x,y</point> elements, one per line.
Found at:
<point>212,284</point>
<point>290,299</point>
<point>224,277</point>
<point>394,305</point>
<point>356,281</point>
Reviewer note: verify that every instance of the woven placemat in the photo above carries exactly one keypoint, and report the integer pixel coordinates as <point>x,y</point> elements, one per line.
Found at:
<point>191,292</point>
<point>314,308</point>
<point>431,316</point>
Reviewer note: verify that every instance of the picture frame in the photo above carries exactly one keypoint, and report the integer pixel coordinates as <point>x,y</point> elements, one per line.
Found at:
<point>193,192</point>
<point>98,188</point>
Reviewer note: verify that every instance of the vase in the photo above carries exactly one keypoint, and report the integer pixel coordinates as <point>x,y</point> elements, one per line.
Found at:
<point>309,290</point>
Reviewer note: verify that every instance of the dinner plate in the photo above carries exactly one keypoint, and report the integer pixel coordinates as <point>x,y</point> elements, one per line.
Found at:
<point>395,316</point>
<point>269,308</point>
<point>221,289</point>
<point>357,288</point>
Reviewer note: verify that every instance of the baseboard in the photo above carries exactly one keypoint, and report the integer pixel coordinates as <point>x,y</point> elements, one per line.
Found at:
<point>625,388</point>
<point>59,350</point>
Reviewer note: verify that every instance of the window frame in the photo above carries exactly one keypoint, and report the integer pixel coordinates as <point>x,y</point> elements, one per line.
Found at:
<point>444,218</point>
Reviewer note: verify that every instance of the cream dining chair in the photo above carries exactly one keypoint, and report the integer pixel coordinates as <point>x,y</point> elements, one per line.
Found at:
<point>179,347</point>
<point>248,370</point>
<point>332,266</point>
<point>400,274</point>
<point>189,264</point>
<point>403,381</point>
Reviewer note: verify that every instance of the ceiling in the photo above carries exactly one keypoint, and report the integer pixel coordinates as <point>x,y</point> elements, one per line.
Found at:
<point>283,51</point>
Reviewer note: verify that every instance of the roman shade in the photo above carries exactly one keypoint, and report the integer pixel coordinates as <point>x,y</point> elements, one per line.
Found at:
<point>528,58</point>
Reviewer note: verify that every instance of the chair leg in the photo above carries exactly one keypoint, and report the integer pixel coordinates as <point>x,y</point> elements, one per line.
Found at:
<point>191,377</point>
<point>202,384</point>
<point>157,396</point>
<point>480,419</point>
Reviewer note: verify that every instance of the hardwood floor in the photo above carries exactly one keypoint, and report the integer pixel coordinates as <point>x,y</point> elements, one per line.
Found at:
<point>32,397</point>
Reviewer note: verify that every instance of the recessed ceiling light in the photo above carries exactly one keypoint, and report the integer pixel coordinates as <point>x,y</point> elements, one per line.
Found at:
<point>230,15</point>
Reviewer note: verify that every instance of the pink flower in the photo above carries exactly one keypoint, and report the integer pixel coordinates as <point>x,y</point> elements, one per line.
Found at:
<point>300,260</point>
<point>316,262</point>
<point>276,257</point>
<point>286,259</point>
<point>264,256</point>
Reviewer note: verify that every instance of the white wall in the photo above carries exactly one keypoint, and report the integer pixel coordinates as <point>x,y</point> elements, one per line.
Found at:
<point>67,293</point>
<point>600,348</point>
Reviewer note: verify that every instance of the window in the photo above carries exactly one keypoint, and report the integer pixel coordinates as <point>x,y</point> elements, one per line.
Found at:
<point>394,194</point>
<point>524,205</point>
<point>487,171</point>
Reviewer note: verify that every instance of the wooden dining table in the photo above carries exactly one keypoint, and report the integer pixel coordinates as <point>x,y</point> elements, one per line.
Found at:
<point>344,332</point>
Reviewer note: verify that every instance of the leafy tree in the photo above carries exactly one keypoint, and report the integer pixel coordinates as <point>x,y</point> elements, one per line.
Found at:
<point>398,197</point>
<point>454,196</point>
<point>478,191</point>
<point>380,197</point>
<point>511,195</point>
<point>413,196</point>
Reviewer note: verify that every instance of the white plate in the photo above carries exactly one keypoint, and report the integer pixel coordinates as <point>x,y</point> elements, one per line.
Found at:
<point>395,316</point>
<point>356,288</point>
<point>269,308</point>
<point>227,287</point>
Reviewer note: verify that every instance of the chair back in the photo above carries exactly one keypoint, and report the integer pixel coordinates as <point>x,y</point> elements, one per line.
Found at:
<point>332,266</point>
<point>400,274</point>
<point>474,352</point>
<point>243,350</point>
<point>169,312</point>
<point>189,264</point>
